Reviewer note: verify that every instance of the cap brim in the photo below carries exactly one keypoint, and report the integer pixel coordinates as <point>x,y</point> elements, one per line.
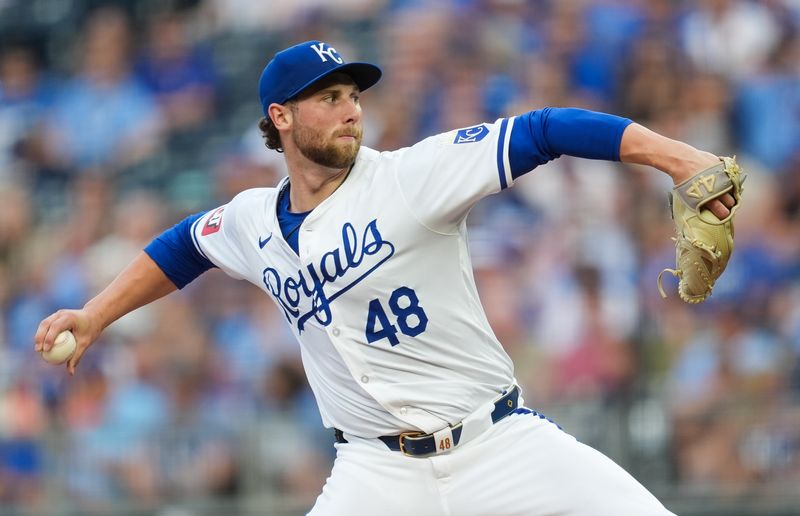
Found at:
<point>364,75</point>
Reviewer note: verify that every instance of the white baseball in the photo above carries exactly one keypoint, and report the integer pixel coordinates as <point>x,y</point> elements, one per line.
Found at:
<point>63,348</point>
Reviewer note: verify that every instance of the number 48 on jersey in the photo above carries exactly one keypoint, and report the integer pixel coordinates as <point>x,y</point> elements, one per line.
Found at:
<point>408,316</point>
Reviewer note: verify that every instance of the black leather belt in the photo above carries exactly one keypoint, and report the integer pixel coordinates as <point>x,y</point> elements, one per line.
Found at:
<point>418,444</point>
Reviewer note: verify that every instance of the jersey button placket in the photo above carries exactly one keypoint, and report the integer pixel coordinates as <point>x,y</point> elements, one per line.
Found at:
<point>304,247</point>
<point>335,332</point>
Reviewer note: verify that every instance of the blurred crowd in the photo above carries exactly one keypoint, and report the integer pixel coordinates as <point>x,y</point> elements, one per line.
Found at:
<point>119,118</point>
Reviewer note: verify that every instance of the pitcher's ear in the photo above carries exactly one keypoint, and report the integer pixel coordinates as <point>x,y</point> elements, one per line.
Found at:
<point>281,115</point>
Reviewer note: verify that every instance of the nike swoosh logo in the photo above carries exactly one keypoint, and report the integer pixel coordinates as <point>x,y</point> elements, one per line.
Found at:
<point>263,242</point>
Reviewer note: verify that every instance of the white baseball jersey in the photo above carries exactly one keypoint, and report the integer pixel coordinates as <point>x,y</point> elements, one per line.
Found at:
<point>381,295</point>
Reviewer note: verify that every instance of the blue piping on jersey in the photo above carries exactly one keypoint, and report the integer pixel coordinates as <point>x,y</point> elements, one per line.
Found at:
<point>194,237</point>
<point>501,167</point>
<point>523,410</point>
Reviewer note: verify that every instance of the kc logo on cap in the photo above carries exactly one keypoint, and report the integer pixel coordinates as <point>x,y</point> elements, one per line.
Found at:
<point>330,53</point>
<point>296,68</point>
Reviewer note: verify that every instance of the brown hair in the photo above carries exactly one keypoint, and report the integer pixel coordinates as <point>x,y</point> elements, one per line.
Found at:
<point>272,138</point>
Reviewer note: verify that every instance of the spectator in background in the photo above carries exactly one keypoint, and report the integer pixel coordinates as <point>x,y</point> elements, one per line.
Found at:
<point>726,366</point>
<point>599,362</point>
<point>649,83</point>
<point>704,104</point>
<point>729,37</point>
<point>507,32</point>
<point>129,222</point>
<point>246,15</point>
<point>291,446</point>
<point>609,29</point>
<point>180,74</point>
<point>24,97</point>
<point>198,455</point>
<point>21,450</point>
<point>767,108</point>
<point>16,222</point>
<point>102,118</point>
<point>88,446</point>
<point>416,44</point>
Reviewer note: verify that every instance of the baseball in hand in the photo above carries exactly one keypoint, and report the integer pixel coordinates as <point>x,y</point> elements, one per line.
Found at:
<point>63,348</point>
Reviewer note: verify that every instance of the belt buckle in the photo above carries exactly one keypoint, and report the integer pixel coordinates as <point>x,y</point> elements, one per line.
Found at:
<point>402,441</point>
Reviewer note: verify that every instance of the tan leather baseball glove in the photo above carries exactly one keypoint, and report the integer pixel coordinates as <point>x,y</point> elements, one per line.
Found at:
<point>704,243</point>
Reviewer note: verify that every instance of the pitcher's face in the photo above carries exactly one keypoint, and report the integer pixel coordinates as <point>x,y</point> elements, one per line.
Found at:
<point>326,123</point>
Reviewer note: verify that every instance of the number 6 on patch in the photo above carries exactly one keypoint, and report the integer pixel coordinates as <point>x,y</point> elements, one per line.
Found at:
<point>410,317</point>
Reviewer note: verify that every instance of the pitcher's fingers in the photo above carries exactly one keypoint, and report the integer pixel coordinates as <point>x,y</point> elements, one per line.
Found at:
<point>75,359</point>
<point>60,321</point>
<point>46,334</point>
<point>728,200</point>
<point>41,331</point>
<point>718,209</point>
<point>50,336</point>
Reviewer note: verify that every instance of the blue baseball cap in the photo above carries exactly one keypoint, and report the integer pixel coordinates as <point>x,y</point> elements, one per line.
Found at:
<point>296,68</point>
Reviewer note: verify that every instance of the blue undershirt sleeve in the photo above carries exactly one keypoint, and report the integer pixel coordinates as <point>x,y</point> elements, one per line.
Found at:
<point>545,134</point>
<point>175,253</point>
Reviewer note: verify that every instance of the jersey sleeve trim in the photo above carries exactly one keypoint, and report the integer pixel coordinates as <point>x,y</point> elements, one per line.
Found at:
<point>502,154</point>
<point>195,241</point>
<point>507,152</point>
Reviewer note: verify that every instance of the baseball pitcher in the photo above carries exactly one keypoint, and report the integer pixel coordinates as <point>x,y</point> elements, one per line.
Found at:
<point>365,255</point>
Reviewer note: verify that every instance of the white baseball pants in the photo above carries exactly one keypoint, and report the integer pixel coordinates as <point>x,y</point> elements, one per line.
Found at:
<point>522,466</point>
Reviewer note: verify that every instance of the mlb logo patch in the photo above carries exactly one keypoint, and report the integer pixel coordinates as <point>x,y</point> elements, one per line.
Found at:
<point>214,222</point>
<point>471,134</point>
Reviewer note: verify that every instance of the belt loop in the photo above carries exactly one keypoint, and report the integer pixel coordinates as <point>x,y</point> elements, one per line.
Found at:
<point>505,405</point>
